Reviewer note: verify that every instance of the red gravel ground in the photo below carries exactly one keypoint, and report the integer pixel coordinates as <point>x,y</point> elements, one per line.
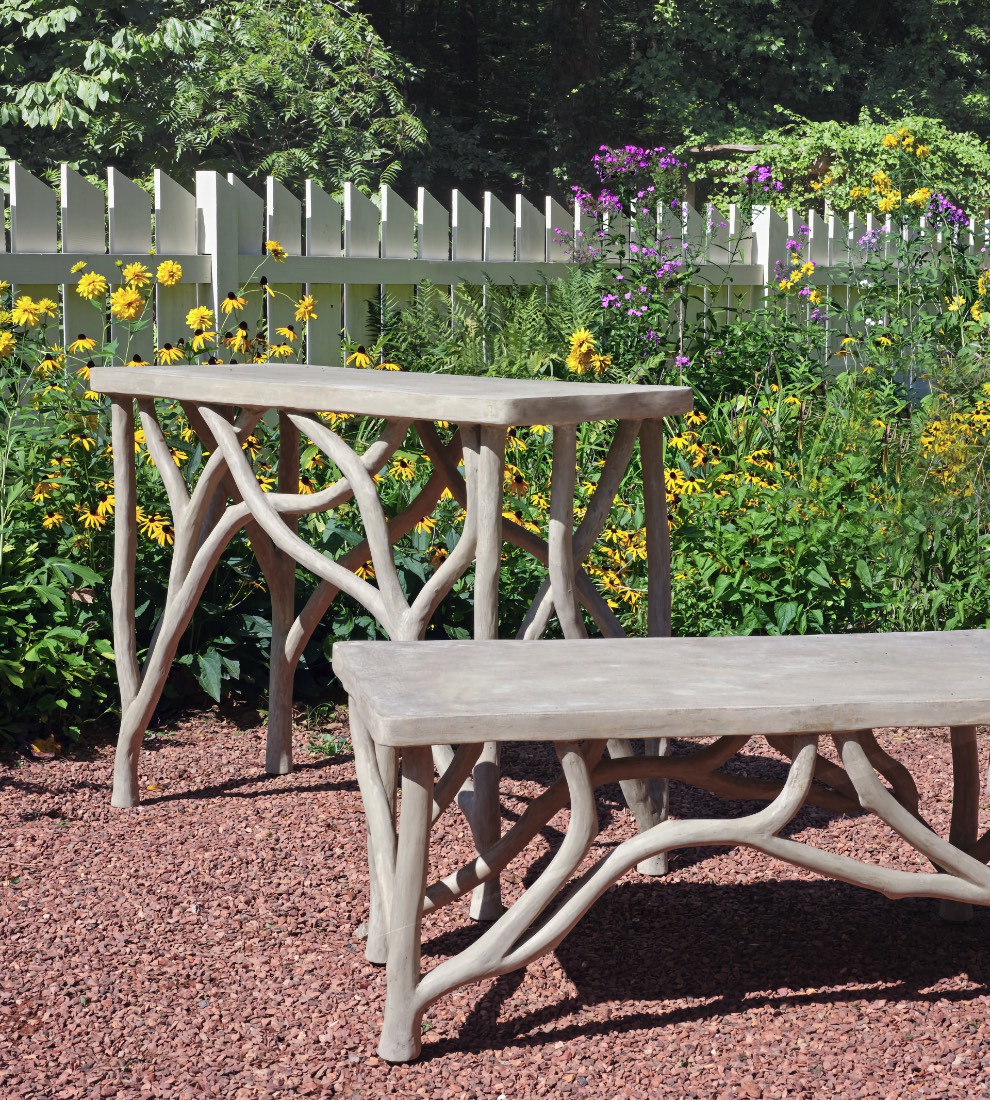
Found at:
<point>205,946</point>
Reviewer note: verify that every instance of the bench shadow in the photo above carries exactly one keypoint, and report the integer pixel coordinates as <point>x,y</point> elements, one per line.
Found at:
<point>259,785</point>
<point>537,763</point>
<point>734,948</point>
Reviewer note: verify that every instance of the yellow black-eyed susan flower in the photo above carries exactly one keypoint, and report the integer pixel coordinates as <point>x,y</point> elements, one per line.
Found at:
<point>232,302</point>
<point>359,358</point>
<point>201,338</point>
<point>169,273</point>
<point>168,353</point>
<point>200,317</point>
<point>90,518</point>
<point>126,303</point>
<point>515,482</point>
<point>306,308</point>
<point>403,469</point>
<point>81,343</point>
<point>26,312</point>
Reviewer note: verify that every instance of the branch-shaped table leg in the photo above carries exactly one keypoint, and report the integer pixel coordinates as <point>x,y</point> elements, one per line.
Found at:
<point>196,555</point>
<point>484,465</point>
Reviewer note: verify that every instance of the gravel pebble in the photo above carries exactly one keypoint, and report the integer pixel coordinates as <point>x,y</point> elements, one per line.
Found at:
<point>207,944</point>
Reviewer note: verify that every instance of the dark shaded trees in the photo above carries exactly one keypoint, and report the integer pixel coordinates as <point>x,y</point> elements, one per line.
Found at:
<point>522,92</point>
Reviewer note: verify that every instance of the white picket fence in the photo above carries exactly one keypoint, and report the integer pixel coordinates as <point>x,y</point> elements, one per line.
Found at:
<point>347,253</point>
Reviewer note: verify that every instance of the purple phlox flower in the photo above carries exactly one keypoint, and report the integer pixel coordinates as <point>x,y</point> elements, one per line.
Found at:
<point>942,210</point>
<point>682,361</point>
<point>871,241</point>
<point>631,160</point>
<point>805,230</point>
<point>760,175</point>
<point>791,245</point>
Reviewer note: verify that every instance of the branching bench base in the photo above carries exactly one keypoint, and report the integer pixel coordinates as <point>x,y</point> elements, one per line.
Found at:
<point>908,677</point>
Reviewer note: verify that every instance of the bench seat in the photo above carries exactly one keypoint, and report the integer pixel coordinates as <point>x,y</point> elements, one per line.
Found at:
<point>411,702</point>
<point>455,692</point>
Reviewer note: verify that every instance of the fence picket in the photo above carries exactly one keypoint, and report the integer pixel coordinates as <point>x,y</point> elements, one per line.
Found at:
<point>559,231</point>
<point>432,228</point>
<point>817,250</point>
<point>399,243</point>
<point>284,224</point>
<point>500,230</point>
<point>466,230</point>
<point>175,234</point>
<point>324,222</point>
<point>362,222</point>
<point>33,222</point>
<point>531,239</point>
<point>129,224</point>
<point>217,218</point>
<point>84,232</point>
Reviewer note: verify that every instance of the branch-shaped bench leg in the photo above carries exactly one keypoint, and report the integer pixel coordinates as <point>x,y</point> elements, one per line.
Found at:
<point>519,936</point>
<point>525,931</point>
<point>965,825</point>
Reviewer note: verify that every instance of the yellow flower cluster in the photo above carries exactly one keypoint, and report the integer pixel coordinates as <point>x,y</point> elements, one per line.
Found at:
<point>904,139</point>
<point>800,269</point>
<point>954,446</point>
<point>889,198</point>
<point>136,276</point>
<point>28,313</point>
<point>827,180</point>
<point>583,355</point>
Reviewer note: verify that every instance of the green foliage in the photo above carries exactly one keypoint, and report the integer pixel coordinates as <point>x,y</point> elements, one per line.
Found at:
<point>506,331</point>
<point>671,72</point>
<point>91,78</point>
<point>54,653</point>
<point>825,161</point>
<point>294,89</point>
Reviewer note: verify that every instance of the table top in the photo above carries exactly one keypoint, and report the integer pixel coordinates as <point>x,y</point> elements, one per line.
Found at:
<point>463,399</point>
<point>450,692</point>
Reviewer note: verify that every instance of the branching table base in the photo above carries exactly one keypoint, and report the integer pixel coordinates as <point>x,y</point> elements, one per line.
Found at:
<point>224,404</point>
<point>908,677</point>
